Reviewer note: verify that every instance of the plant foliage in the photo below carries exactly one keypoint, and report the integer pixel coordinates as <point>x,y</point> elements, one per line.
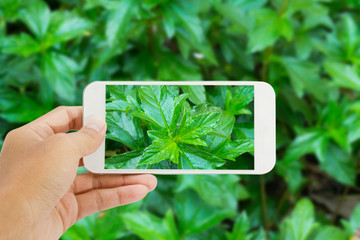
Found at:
<point>308,50</point>
<point>164,130</point>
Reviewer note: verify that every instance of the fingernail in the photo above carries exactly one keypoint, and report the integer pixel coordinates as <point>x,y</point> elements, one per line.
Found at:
<point>96,123</point>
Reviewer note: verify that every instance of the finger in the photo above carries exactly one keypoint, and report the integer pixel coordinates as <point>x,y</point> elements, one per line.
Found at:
<point>88,181</point>
<point>57,157</point>
<point>102,199</point>
<point>59,120</point>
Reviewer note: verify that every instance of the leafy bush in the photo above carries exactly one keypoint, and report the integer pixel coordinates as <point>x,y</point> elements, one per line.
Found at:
<point>183,136</point>
<point>308,50</point>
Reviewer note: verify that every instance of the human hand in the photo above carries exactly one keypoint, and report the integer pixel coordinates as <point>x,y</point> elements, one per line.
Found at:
<point>41,195</point>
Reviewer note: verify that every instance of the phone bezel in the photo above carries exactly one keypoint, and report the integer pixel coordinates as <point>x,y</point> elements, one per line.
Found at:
<point>264,126</point>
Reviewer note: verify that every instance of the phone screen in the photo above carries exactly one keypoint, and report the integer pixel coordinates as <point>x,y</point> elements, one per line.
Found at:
<point>179,127</point>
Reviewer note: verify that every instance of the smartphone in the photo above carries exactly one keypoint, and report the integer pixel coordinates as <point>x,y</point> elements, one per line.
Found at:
<point>183,127</point>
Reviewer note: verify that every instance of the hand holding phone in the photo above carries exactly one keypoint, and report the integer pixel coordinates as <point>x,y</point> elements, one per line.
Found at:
<point>183,127</point>
<point>39,186</point>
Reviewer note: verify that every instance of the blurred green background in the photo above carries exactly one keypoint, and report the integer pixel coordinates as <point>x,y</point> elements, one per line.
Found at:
<point>308,50</point>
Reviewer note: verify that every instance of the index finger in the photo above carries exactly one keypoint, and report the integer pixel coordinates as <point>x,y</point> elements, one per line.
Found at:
<point>60,120</point>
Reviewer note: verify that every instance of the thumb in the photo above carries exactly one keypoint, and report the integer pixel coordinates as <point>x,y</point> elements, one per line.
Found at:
<point>78,144</point>
<point>62,152</point>
<point>88,138</point>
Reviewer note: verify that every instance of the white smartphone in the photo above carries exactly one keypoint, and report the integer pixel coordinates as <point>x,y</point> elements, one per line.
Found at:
<point>183,127</point>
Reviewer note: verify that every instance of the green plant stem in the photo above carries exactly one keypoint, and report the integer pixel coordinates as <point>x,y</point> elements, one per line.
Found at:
<point>151,46</point>
<point>263,205</point>
<point>2,27</point>
<point>268,51</point>
<point>93,60</point>
<point>151,37</point>
<point>283,7</point>
<point>284,196</point>
<point>205,71</point>
<point>212,141</point>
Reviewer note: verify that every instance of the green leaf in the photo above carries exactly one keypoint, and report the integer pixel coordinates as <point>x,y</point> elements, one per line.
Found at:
<point>192,158</point>
<point>59,70</point>
<point>80,229</point>
<point>233,149</point>
<point>13,68</point>
<point>240,229</point>
<point>65,26</point>
<point>195,216</point>
<point>21,44</point>
<point>141,66</point>
<point>316,15</point>
<point>118,105</point>
<point>217,190</point>
<point>225,125</point>
<point>169,20</point>
<point>343,75</point>
<point>175,68</point>
<point>127,160</point>
<point>186,17</point>
<point>107,4</point>
<point>110,222</point>
<point>301,223</point>
<point>238,99</point>
<point>174,90</point>
<point>236,15</point>
<point>249,5</point>
<point>298,105</point>
<point>19,108</point>
<point>269,27</point>
<point>197,127</point>
<point>143,116</point>
<point>10,10</point>
<point>159,150</point>
<point>233,51</point>
<point>124,128</point>
<point>350,121</point>
<point>37,18</point>
<point>353,223</point>
<point>330,232</point>
<point>155,135</point>
<point>303,76</point>
<point>196,93</point>
<point>334,119</point>
<point>310,141</point>
<point>348,34</point>
<point>204,108</point>
<point>162,199</point>
<point>158,104</point>
<point>9,98</point>
<point>291,171</point>
<point>118,21</point>
<point>215,233</point>
<point>339,165</point>
<point>244,130</point>
<point>187,43</point>
<point>181,112</point>
<point>258,235</point>
<point>303,46</point>
<point>120,92</point>
<point>150,227</point>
